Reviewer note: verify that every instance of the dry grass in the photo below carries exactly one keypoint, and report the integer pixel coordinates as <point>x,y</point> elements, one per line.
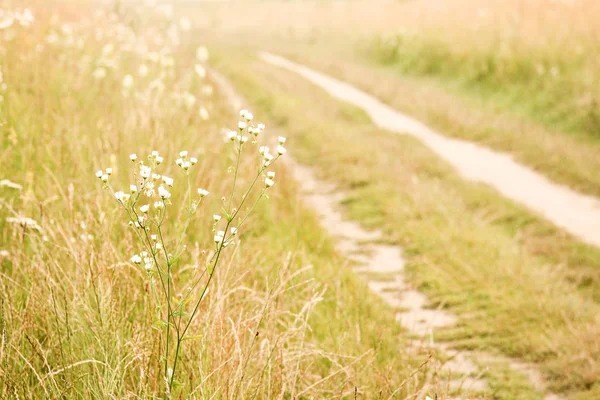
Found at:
<point>76,317</point>
<point>520,286</point>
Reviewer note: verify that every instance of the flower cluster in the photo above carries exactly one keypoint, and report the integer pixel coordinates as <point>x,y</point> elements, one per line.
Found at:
<point>146,203</point>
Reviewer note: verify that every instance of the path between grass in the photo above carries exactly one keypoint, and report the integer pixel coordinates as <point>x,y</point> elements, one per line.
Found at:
<point>576,213</point>
<point>382,267</point>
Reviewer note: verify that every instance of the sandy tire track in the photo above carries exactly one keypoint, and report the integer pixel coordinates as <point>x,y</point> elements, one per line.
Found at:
<point>576,213</point>
<point>382,267</point>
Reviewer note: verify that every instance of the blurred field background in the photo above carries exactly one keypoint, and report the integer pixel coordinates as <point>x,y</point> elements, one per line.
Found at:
<point>519,76</point>
<point>287,317</point>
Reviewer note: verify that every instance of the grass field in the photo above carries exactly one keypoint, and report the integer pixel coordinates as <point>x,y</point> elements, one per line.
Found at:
<point>272,309</point>
<point>78,319</point>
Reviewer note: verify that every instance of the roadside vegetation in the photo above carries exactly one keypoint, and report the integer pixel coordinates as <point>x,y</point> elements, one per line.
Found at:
<point>520,286</point>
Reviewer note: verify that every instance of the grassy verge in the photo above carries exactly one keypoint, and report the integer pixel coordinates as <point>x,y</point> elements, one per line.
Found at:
<point>283,317</point>
<point>520,286</point>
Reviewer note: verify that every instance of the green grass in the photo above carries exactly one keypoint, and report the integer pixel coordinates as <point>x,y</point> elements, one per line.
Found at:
<point>519,285</point>
<point>544,85</point>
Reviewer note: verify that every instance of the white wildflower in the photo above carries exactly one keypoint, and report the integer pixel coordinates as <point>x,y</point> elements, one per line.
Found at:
<point>202,192</point>
<point>145,171</point>
<point>133,157</point>
<point>99,73</point>
<point>145,208</point>
<point>163,193</point>
<point>281,150</point>
<point>168,181</point>
<point>202,54</point>
<point>200,70</point>
<point>204,114</point>
<point>269,182</point>
<point>127,82</point>
<point>136,259</point>
<point>143,71</point>
<point>216,217</point>
<point>281,140</point>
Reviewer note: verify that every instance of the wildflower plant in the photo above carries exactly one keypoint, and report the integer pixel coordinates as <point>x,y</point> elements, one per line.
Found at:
<point>148,204</point>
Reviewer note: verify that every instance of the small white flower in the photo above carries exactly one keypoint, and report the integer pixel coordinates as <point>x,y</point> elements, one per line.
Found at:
<point>99,174</point>
<point>145,208</point>
<point>159,160</point>
<point>249,116</point>
<point>242,125</point>
<point>163,193</point>
<point>271,174</point>
<point>145,171</point>
<point>104,178</point>
<point>159,204</point>
<point>216,217</point>
<point>133,157</point>
<point>136,259</point>
<point>154,154</point>
<point>127,82</point>
<point>269,182</point>
<point>263,150</point>
<point>179,162</point>
<point>193,160</point>
<point>158,246</point>
<point>4,253</point>
<point>200,71</point>
<point>121,196</point>
<point>202,54</point>
<point>231,135</point>
<point>143,70</point>
<point>261,127</point>
<point>218,239</point>
<point>281,140</point>
<point>183,154</point>
<point>243,113</point>
<point>168,181</point>
<point>202,192</point>
<point>108,171</point>
<point>155,177</point>
<point>133,188</point>
<point>281,150</point>
<point>233,231</point>
<point>99,73</point>
<point>204,115</point>
<point>153,237</point>
<point>149,189</point>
